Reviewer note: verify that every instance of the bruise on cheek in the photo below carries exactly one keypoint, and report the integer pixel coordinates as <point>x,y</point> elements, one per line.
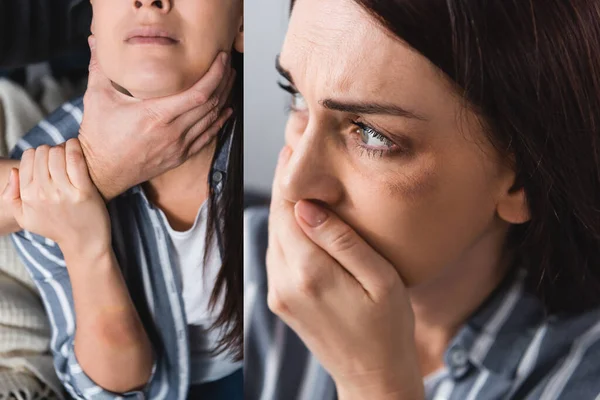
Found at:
<point>413,185</point>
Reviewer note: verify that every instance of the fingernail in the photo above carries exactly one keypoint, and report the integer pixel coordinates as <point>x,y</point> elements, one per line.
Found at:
<point>311,213</point>
<point>224,57</point>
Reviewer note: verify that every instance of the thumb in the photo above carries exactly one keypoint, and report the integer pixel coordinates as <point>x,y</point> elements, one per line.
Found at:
<point>346,246</point>
<point>77,169</point>
<point>96,78</point>
<point>11,196</point>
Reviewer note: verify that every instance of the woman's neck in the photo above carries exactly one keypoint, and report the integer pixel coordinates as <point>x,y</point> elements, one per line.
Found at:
<point>442,306</point>
<point>180,192</point>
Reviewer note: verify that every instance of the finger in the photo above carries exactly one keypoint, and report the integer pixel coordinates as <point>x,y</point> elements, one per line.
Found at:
<point>278,204</point>
<point>210,110</point>
<point>58,166</point>
<point>96,78</point>
<point>225,91</point>
<point>199,135</point>
<point>172,107</point>
<point>11,196</point>
<point>77,169</point>
<point>283,227</point>
<point>26,168</point>
<point>277,279</point>
<point>344,244</point>
<point>41,174</point>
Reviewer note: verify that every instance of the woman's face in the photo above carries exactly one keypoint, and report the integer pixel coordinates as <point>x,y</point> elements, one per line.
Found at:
<point>379,136</point>
<point>133,58</point>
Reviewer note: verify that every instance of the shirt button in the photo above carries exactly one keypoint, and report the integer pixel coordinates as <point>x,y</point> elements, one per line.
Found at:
<point>458,358</point>
<point>217,176</point>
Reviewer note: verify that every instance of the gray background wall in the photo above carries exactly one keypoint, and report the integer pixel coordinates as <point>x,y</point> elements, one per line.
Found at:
<point>265,26</point>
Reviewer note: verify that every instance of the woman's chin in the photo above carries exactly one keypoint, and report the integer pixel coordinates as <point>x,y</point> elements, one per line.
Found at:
<point>156,87</point>
<point>145,92</point>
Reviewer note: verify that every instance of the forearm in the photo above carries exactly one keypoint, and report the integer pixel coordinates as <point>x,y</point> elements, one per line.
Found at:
<point>7,221</point>
<point>111,344</point>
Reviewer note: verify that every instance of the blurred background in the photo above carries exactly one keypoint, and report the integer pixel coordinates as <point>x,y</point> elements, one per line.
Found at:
<point>266,24</point>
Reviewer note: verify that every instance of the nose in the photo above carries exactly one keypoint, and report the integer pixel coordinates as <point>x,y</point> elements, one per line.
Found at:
<point>162,5</point>
<point>310,173</point>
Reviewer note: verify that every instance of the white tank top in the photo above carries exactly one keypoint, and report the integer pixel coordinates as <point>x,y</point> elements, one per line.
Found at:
<point>198,281</point>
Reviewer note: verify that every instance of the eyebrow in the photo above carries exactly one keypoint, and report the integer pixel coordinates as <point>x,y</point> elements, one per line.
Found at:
<point>356,108</point>
<point>371,108</point>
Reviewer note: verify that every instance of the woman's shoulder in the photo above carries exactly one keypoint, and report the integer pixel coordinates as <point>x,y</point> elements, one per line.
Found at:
<point>562,360</point>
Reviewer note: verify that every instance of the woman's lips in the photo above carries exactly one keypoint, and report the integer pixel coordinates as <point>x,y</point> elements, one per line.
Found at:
<point>151,35</point>
<point>151,40</point>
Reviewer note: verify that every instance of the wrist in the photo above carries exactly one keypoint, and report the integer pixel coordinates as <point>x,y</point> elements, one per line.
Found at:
<point>398,387</point>
<point>107,188</point>
<point>381,393</point>
<point>92,252</point>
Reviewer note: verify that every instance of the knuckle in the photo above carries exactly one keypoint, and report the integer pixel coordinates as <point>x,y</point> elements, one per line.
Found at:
<point>28,153</point>
<point>214,101</point>
<point>343,240</point>
<point>81,196</point>
<point>26,194</point>
<point>276,302</point>
<point>73,141</point>
<point>308,282</point>
<point>180,157</point>
<point>54,197</point>
<point>57,150</point>
<point>39,195</point>
<point>199,97</point>
<point>385,286</point>
<point>74,158</point>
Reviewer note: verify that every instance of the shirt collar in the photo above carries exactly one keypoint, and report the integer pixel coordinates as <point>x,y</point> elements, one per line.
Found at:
<point>498,333</point>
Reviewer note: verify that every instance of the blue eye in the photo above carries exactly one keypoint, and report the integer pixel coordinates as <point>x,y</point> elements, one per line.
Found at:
<point>371,138</point>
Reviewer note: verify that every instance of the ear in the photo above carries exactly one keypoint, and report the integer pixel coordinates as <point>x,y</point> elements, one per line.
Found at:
<point>238,43</point>
<point>512,205</point>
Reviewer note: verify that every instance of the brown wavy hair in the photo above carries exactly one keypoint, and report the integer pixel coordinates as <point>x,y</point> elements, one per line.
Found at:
<point>228,209</point>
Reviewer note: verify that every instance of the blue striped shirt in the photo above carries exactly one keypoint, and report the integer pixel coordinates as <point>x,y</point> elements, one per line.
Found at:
<point>146,257</point>
<point>509,349</point>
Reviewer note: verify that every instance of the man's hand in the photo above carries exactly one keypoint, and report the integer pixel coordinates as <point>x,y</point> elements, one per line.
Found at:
<point>127,141</point>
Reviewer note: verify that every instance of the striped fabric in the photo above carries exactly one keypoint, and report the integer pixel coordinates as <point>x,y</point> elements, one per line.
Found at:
<point>144,252</point>
<point>507,350</point>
